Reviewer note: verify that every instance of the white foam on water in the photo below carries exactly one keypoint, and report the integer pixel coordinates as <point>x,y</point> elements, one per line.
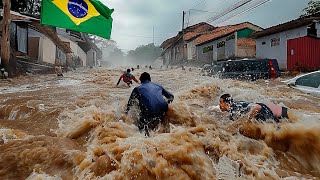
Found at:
<point>42,176</point>
<point>209,136</point>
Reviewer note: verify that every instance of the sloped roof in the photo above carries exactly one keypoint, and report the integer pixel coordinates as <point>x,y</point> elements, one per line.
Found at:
<point>15,16</point>
<point>190,33</point>
<point>88,44</point>
<point>223,31</point>
<point>53,36</point>
<point>286,26</point>
<point>247,42</point>
<point>196,30</point>
<point>168,42</point>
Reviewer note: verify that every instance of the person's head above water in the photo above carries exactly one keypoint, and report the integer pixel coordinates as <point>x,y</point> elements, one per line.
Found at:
<point>128,70</point>
<point>145,77</point>
<point>225,102</point>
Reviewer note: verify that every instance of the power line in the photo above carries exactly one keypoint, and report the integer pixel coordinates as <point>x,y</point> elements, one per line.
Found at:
<point>258,4</point>
<point>198,4</point>
<point>190,11</point>
<point>228,10</point>
<point>220,3</point>
<point>202,11</point>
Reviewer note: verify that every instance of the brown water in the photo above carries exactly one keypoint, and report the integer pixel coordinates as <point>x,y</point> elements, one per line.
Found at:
<point>74,128</point>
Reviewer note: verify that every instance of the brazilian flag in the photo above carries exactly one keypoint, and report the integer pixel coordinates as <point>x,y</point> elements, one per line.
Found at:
<point>89,16</point>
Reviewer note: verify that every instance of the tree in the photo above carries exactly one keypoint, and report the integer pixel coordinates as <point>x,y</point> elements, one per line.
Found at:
<point>115,58</point>
<point>146,54</point>
<point>5,39</point>
<point>32,7</point>
<point>101,42</point>
<point>312,9</point>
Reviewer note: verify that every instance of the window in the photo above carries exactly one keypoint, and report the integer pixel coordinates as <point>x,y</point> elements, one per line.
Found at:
<point>221,44</point>
<point>207,49</point>
<point>275,42</point>
<point>311,80</point>
<point>231,37</point>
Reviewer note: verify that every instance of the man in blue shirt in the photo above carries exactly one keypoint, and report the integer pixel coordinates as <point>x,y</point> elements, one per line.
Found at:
<point>151,103</point>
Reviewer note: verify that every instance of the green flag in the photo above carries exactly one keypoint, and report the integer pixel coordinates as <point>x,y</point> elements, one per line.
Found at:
<point>89,16</point>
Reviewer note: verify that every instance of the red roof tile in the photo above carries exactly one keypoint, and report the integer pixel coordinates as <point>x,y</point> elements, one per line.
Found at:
<point>222,31</point>
<point>46,30</point>
<point>167,42</point>
<point>191,32</point>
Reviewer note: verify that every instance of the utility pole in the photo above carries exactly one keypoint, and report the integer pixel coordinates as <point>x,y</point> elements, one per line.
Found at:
<point>153,48</point>
<point>5,41</point>
<point>183,42</point>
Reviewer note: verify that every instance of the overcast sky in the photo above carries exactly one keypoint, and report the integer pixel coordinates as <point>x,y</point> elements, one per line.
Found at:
<point>134,20</point>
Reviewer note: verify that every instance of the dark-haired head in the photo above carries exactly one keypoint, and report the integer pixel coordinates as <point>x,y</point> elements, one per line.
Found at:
<point>128,70</point>
<point>227,98</point>
<point>225,102</point>
<point>145,77</point>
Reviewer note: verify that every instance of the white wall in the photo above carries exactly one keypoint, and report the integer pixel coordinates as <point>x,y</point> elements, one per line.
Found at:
<point>91,57</point>
<point>191,50</point>
<point>207,56</point>
<point>77,51</point>
<point>167,57</point>
<point>318,29</point>
<point>47,50</point>
<point>213,56</point>
<point>278,52</point>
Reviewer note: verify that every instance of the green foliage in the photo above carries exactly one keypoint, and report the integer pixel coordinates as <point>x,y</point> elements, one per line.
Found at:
<point>144,54</point>
<point>25,6</point>
<point>116,54</point>
<point>102,43</point>
<point>312,9</point>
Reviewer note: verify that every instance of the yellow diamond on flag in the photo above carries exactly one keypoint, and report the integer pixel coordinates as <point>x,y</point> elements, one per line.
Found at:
<point>77,10</point>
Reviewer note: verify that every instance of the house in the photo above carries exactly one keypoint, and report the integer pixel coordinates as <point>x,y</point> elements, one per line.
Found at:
<point>45,46</point>
<point>78,56</point>
<point>226,42</point>
<point>85,52</point>
<point>167,53</point>
<point>295,44</point>
<point>33,43</point>
<point>94,54</point>
<point>182,46</point>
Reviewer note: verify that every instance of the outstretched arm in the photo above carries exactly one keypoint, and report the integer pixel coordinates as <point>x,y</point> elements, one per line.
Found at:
<point>135,79</point>
<point>119,79</point>
<point>254,110</point>
<point>168,95</point>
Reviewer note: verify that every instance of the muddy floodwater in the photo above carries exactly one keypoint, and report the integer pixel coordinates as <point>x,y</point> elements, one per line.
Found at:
<point>73,128</point>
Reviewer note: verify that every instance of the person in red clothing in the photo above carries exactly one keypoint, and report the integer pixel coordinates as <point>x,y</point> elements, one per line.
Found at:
<point>127,78</point>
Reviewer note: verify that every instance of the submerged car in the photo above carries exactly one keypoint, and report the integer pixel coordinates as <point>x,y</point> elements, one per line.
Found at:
<point>249,69</point>
<point>308,83</point>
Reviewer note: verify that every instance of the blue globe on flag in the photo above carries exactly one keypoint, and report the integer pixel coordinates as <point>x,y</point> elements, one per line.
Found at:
<point>78,8</point>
